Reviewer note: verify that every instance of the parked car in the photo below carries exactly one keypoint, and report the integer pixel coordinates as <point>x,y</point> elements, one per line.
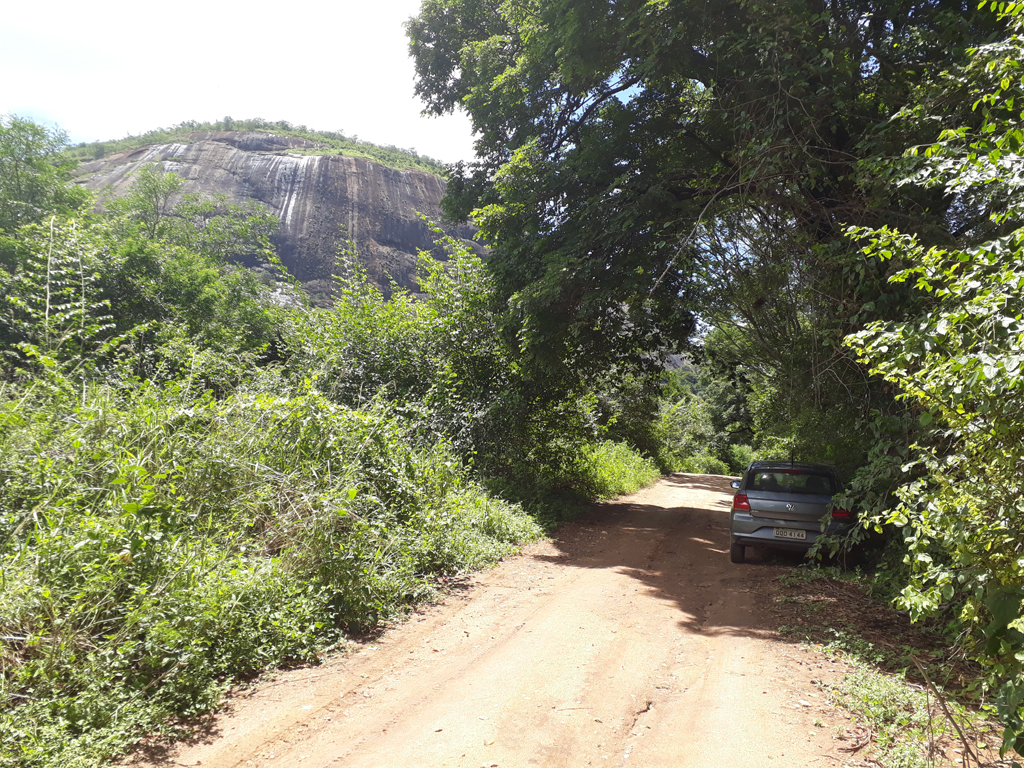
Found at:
<point>783,505</point>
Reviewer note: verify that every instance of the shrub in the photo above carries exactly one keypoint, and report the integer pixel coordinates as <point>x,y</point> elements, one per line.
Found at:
<point>740,457</point>
<point>703,464</point>
<point>157,544</point>
<point>615,469</point>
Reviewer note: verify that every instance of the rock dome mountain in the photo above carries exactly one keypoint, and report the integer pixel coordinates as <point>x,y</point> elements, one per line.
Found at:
<point>320,199</point>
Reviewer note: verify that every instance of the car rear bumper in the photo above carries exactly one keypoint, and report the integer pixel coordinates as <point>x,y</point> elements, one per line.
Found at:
<point>751,531</point>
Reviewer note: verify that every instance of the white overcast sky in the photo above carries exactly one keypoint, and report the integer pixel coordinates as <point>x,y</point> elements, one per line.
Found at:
<point>102,70</point>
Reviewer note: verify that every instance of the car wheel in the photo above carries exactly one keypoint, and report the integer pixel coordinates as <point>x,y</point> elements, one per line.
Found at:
<point>737,553</point>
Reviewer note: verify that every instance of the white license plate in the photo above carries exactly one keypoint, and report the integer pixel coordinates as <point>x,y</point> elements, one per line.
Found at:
<point>790,533</point>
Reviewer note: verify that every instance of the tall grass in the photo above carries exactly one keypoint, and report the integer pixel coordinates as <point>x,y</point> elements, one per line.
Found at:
<point>615,469</point>
<point>157,545</point>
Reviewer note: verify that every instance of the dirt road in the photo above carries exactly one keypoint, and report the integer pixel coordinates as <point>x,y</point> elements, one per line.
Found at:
<point>630,640</point>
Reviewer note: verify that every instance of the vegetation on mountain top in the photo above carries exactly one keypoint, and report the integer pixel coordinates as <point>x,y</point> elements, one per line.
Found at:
<point>820,205</point>
<point>329,143</point>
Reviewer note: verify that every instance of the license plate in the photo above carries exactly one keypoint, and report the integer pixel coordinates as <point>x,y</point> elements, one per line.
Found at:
<point>790,533</point>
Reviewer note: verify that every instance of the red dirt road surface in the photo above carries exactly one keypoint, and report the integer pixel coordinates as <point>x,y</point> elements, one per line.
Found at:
<point>628,640</point>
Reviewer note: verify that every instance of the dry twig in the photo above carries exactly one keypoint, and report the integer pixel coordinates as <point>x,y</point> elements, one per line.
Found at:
<point>864,736</point>
<point>949,715</point>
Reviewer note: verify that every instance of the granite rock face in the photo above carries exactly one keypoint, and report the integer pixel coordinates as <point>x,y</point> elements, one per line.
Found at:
<point>319,199</point>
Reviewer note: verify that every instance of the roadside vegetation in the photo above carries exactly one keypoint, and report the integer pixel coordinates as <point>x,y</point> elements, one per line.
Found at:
<point>910,704</point>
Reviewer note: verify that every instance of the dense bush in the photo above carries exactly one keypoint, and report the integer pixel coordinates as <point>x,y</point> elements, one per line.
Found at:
<point>157,544</point>
<point>957,365</point>
<point>615,469</point>
<point>740,457</point>
<point>703,464</point>
<point>702,417</point>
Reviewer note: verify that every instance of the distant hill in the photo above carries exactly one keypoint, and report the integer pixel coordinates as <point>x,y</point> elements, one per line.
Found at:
<point>321,194</point>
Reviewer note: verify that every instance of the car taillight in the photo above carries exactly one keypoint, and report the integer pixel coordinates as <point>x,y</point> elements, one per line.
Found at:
<point>740,502</point>
<point>840,512</point>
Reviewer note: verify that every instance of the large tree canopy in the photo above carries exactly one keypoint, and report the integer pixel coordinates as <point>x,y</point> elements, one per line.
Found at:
<point>617,140</point>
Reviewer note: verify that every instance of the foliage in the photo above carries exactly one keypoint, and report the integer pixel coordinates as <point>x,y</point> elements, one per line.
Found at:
<point>158,543</point>
<point>327,142</point>
<point>787,411</point>
<point>705,464</point>
<point>701,422</point>
<point>149,201</point>
<point>442,350</point>
<point>642,162</point>
<point>740,457</point>
<point>958,367</point>
<point>49,308</point>
<point>102,295</point>
<point>170,265</point>
<point>201,475</point>
<point>627,409</point>
<point>34,170</point>
<point>176,509</point>
<point>155,209</point>
<point>439,348</point>
<point>616,469</point>
<point>685,431</point>
<point>902,718</point>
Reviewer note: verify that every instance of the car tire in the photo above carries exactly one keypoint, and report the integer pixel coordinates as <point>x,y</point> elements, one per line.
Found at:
<point>737,553</point>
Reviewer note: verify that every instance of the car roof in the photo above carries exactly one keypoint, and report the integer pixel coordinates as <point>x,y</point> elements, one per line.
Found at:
<point>791,465</point>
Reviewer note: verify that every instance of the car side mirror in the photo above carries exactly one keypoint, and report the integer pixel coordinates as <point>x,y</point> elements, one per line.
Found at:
<point>735,484</point>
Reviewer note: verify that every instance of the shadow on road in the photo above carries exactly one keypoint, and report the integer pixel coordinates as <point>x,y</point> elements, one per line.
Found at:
<point>680,554</point>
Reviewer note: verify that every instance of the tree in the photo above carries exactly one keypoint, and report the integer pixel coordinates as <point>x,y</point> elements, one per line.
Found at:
<point>959,365</point>
<point>174,258</point>
<point>136,285</point>
<point>50,309</point>
<point>33,174</point>
<point>620,142</point>
<point>225,231</point>
<point>208,225</point>
<point>149,201</point>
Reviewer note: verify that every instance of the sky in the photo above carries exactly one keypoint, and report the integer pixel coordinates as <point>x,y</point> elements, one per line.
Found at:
<point>110,68</point>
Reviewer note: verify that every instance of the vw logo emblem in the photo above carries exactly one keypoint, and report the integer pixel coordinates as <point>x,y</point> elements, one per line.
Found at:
<point>789,507</point>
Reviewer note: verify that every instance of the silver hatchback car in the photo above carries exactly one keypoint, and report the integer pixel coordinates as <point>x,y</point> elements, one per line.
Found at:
<point>784,505</point>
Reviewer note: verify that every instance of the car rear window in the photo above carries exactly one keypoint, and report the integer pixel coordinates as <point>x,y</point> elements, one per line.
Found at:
<point>794,481</point>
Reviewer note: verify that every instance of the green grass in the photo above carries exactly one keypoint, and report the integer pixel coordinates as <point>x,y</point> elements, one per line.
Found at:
<point>157,545</point>
<point>904,717</point>
<point>615,469</point>
<point>882,690</point>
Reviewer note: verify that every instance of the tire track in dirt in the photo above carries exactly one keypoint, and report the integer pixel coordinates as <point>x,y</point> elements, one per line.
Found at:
<point>629,640</point>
